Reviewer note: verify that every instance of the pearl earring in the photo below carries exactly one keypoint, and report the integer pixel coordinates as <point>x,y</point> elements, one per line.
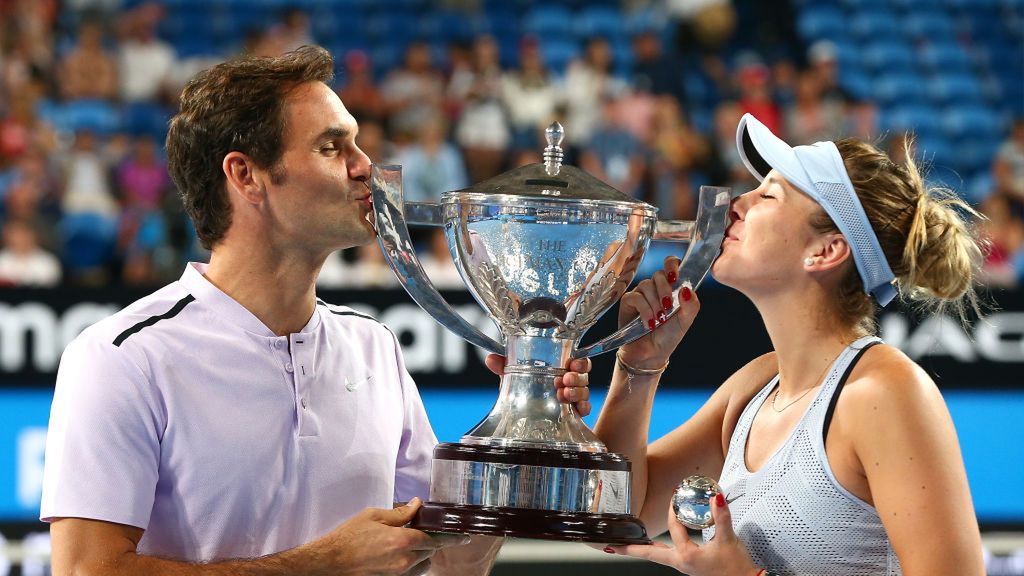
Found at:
<point>808,261</point>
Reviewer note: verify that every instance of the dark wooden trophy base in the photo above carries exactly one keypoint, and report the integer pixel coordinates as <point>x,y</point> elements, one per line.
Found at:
<point>528,522</point>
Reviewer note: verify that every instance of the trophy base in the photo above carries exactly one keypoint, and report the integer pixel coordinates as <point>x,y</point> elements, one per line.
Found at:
<point>614,529</point>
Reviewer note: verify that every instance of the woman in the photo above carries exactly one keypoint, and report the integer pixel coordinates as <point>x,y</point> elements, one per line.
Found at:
<point>835,451</point>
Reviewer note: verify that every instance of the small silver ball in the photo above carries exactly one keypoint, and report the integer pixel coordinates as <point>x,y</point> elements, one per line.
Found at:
<point>691,501</point>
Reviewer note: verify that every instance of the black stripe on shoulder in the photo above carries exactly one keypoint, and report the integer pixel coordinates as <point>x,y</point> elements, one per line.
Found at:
<point>348,312</point>
<point>839,388</point>
<point>178,307</point>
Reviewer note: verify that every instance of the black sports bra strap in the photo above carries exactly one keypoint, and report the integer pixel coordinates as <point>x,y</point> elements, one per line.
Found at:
<point>839,388</point>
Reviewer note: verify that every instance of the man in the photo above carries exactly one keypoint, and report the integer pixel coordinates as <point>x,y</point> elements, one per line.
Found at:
<point>232,423</point>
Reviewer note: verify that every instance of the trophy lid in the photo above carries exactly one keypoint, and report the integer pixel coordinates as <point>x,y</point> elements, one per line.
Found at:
<point>548,180</point>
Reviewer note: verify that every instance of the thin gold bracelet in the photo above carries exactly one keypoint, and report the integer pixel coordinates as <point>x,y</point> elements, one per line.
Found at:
<point>633,371</point>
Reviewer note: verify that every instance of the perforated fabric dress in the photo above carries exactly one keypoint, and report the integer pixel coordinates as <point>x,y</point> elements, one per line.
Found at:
<point>792,515</point>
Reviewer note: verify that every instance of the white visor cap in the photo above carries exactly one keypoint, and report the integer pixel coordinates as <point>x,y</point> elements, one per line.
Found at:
<point>818,171</point>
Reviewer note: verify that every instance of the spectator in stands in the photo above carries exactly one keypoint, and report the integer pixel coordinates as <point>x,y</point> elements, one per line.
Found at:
<point>482,129</point>
<point>88,71</point>
<point>811,117</point>
<point>412,93</point>
<point>294,30</point>
<point>358,90</point>
<point>23,262</point>
<point>22,131</point>
<point>856,464</point>
<point>1004,229</point>
<point>142,180</point>
<point>431,165</point>
<point>754,92</point>
<point>660,71</point>
<point>677,153</point>
<point>613,155</point>
<point>438,264</point>
<point>373,141</point>
<point>145,63</point>
<point>588,83</point>
<point>727,167</point>
<point>1008,167</point>
<point>87,183</point>
<point>530,96</point>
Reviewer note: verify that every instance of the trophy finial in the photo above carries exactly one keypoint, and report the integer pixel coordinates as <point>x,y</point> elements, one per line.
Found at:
<point>553,153</point>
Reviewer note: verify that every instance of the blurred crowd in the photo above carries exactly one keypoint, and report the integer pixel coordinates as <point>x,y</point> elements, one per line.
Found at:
<point>85,198</point>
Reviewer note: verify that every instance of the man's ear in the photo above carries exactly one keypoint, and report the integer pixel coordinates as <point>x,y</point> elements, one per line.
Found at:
<point>243,178</point>
<point>830,252</point>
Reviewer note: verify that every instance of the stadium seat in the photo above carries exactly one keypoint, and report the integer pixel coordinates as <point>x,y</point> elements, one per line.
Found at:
<point>945,56</point>
<point>897,88</point>
<point>887,56</point>
<point>816,22</point>
<point>599,21</point>
<point>970,122</point>
<point>919,119</point>
<point>927,25</point>
<point>954,89</point>
<point>875,24</point>
<point>549,21</point>
<point>558,53</point>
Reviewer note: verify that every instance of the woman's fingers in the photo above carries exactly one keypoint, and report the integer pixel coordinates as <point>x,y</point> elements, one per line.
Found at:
<point>495,363</point>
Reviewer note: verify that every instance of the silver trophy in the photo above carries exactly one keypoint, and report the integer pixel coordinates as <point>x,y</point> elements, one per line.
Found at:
<point>546,249</point>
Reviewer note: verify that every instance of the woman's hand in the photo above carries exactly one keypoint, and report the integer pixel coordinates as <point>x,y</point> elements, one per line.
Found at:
<point>573,386</point>
<point>724,555</point>
<point>651,300</point>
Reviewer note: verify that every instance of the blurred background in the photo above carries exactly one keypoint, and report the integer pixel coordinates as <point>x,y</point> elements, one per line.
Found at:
<point>649,91</point>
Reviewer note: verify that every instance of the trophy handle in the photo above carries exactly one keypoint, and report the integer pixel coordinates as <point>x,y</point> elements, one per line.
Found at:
<point>705,235</point>
<point>393,234</point>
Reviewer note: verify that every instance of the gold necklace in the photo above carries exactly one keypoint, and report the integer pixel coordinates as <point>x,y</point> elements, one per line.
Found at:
<point>797,399</point>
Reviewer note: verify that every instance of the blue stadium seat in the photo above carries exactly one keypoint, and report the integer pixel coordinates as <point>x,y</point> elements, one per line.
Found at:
<point>954,89</point>
<point>927,25</point>
<point>918,119</point>
<point>549,22</point>
<point>97,116</point>
<point>970,122</point>
<point>945,56</point>
<point>558,53</point>
<point>146,118</point>
<point>886,56</point>
<point>898,88</point>
<point>599,21</point>
<point>872,24</point>
<point>87,240</point>
<point>815,22</point>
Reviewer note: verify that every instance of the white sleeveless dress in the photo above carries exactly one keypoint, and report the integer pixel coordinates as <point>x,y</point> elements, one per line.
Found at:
<point>792,515</point>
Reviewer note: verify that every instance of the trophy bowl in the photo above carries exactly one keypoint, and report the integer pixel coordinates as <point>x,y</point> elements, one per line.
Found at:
<point>545,249</point>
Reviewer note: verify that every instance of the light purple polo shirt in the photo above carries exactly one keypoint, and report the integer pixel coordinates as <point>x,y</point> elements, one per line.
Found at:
<point>184,415</point>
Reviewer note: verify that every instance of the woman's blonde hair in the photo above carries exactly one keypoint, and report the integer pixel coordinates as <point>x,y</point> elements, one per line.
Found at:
<point>928,236</point>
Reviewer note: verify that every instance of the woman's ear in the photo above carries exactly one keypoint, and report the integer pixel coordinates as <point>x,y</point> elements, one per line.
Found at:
<point>830,252</point>
<point>243,178</point>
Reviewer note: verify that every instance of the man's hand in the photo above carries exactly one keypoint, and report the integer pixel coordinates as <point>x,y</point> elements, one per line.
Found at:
<point>375,542</point>
<point>572,387</point>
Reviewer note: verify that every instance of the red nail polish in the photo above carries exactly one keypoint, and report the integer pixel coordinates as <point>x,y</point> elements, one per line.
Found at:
<point>666,302</point>
<point>609,550</point>
<point>686,293</point>
<point>719,500</point>
<point>651,324</point>
<point>672,276</point>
